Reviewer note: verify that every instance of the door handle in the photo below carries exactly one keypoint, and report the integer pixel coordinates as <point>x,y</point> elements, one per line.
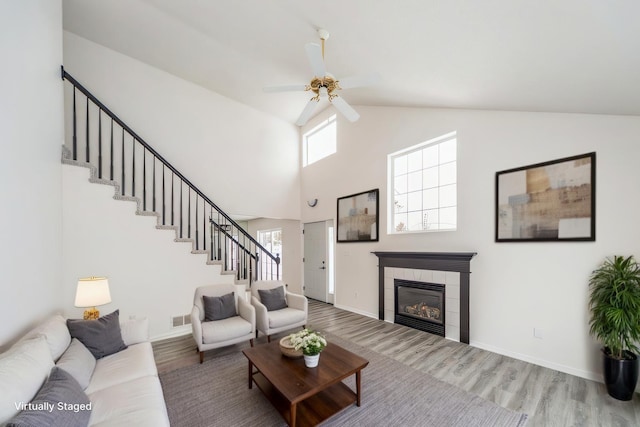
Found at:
<point>323,267</point>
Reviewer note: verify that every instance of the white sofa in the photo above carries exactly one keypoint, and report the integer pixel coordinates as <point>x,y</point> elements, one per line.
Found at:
<point>123,388</point>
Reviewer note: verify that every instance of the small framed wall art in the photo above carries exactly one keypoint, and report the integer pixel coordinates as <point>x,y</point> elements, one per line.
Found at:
<point>358,217</point>
<point>550,201</point>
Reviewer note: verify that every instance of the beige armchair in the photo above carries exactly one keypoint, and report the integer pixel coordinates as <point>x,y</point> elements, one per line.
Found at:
<point>280,317</point>
<point>238,326</point>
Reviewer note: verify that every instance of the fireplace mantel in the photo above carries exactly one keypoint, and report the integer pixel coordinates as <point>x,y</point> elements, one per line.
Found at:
<point>440,261</point>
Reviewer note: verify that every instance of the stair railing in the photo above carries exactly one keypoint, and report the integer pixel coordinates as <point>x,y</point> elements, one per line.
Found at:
<point>121,156</point>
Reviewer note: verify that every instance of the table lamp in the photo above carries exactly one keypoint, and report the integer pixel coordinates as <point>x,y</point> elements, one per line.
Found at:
<point>92,292</point>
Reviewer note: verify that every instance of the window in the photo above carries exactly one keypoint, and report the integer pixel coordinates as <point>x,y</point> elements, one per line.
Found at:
<point>271,240</point>
<point>319,142</point>
<point>423,183</point>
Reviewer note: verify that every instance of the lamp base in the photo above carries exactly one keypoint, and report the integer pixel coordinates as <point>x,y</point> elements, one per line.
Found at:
<point>91,313</point>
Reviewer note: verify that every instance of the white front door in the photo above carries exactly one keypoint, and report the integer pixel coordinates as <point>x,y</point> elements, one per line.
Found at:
<point>315,261</point>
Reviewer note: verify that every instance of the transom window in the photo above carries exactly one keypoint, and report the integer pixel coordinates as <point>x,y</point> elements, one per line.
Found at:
<point>319,142</point>
<point>423,180</point>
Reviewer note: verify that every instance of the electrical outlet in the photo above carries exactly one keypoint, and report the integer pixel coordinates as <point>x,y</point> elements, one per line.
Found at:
<point>538,333</point>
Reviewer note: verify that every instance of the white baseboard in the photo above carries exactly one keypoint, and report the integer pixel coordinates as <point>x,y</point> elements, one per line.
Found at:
<point>540,362</point>
<point>355,310</point>
<point>174,333</point>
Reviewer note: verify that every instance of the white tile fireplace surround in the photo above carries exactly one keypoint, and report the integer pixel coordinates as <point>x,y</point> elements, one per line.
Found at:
<point>451,269</point>
<point>451,281</point>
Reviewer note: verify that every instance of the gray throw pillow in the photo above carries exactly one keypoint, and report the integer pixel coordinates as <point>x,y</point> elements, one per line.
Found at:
<point>102,337</point>
<point>218,308</point>
<point>59,403</point>
<point>273,299</point>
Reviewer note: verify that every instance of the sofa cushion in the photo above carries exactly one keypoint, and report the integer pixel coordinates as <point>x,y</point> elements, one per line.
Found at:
<point>135,331</point>
<point>134,362</point>
<point>59,403</point>
<point>102,337</point>
<point>223,330</point>
<point>138,402</point>
<point>79,362</point>
<point>284,317</point>
<point>273,299</point>
<point>23,370</point>
<point>56,334</point>
<point>218,308</point>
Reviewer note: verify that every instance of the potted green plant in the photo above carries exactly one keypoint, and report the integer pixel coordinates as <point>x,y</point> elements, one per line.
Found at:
<point>311,343</point>
<point>614,303</point>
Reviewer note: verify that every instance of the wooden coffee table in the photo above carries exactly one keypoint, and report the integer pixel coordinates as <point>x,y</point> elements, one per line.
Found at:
<point>305,396</point>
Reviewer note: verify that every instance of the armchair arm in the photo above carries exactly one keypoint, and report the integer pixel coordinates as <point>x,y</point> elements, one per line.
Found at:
<point>247,312</point>
<point>262,319</point>
<point>196,325</point>
<point>299,302</point>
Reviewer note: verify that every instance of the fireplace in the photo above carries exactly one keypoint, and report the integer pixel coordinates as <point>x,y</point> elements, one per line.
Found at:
<point>449,269</point>
<point>420,305</point>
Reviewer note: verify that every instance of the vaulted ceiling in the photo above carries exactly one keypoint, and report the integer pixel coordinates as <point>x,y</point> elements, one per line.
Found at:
<point>578,56</point>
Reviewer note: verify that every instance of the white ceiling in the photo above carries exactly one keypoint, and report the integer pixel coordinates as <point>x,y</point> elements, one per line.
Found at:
<point>579,56</point>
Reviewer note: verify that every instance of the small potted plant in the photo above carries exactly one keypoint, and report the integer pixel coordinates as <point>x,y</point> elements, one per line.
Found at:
<point>614,303</point>
<point>311,343</point>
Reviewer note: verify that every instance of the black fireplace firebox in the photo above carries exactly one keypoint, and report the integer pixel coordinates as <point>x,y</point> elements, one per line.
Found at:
<point>420,305</point>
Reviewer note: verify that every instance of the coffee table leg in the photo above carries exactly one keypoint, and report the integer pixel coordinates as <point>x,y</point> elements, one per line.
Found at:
<point>292,411</point>
<point>358,388</point>
<point>250,374</point>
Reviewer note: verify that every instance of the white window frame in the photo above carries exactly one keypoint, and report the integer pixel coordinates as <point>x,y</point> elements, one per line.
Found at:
<point>442,208</point>
<point>319,128</point>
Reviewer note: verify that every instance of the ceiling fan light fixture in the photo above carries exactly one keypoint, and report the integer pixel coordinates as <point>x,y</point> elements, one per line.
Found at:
<point>324,84</point>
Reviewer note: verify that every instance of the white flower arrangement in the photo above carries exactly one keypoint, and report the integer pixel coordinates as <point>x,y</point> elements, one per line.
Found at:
<point>310,342</point>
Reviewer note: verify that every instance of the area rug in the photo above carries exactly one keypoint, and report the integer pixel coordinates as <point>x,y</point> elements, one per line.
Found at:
<point>216,393</point>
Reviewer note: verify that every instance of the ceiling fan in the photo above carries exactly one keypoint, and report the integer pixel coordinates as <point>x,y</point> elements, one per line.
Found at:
<point>325,85</point>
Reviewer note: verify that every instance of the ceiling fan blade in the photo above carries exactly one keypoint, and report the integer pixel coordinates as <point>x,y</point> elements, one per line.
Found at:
<point>306,113</point>
<point>359,80</point>
<point>314,53</point>
<point>346,109</point>
<point>284,88</point>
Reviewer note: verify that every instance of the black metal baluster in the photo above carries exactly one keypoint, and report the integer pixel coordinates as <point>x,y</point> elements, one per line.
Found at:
<point>111,154</point>
<point>181,211</point>
<point>122,183</point>
<point>99,144</point>
<point>172,200</point>
<point>75,127</point>
<point>164,207</point>
<point>144,179</point>
<point>133,167</point>
<point>153,200</point>
<point>88,159</point>
<point>219,240</point>
<point>196,209</point>
<point>189,215</point>
<point>211,256</point>
<point>204,225</point>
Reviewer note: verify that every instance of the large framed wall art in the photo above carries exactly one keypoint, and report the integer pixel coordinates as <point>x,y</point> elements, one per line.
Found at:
<point>550,201</point>
<point>358,217</point>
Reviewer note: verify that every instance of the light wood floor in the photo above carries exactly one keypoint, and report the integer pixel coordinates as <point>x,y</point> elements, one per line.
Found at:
<point>549,397</point>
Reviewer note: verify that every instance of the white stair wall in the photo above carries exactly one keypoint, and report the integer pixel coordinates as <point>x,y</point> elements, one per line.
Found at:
<point>150,275</point>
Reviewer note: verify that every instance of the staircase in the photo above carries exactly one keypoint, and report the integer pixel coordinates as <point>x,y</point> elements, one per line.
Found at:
<point>118,156</point>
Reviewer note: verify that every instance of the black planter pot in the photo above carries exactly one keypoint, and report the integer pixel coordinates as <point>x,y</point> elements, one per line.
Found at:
<point>620,376</point>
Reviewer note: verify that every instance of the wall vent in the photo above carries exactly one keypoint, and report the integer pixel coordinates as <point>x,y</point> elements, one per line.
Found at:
<point>177,321</point>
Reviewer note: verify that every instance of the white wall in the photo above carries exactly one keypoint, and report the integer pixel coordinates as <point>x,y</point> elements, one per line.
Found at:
<point>244,160</point>
<point>291,248</point>
<point>31,132</point>
<point>515,287</point>
<point>149,274</point>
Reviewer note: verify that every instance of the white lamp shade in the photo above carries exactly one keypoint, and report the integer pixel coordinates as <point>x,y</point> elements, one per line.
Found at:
<point>92,292</point>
